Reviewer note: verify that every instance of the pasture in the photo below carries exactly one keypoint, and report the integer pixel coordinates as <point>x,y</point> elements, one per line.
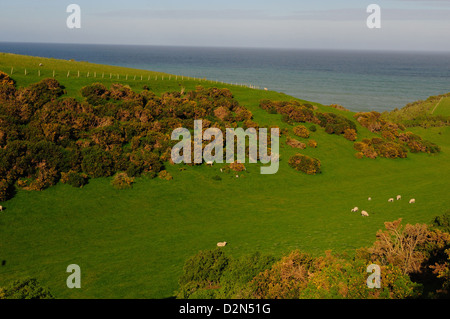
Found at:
<point>133,243</point>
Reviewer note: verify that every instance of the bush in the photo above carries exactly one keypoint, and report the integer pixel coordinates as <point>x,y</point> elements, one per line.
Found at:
<point>294,143</point>
<point>122,181</point>
<point>313,128</point>
<point>350,134</point>
<point>95,93</point>
<point>204,270</point>
<point>306,164</point>
<point>312,143</point>
<point>74,179</point>
<point>165,175</point>
<point>301,131</point>
<point>25,289</point>
<point>97,163</point>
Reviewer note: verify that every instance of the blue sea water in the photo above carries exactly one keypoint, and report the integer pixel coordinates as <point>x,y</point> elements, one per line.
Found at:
<point>358,80</point>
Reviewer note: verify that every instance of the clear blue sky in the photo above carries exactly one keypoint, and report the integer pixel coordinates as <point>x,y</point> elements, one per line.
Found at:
<point>406,24</point>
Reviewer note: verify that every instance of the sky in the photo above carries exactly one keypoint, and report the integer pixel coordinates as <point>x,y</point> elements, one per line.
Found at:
<point>321,24</point>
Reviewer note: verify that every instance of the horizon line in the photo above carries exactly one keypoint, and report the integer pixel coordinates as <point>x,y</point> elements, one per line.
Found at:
<point>239,47</point>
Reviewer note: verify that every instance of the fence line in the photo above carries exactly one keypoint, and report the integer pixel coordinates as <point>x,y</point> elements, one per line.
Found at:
<point>140,77</point>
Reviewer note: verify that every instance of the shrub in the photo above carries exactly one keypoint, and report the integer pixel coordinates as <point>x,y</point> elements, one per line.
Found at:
<point>7,190</point>
<point>237,167</point>
<point>74,179</point>
<point>312,143</point>
<point>306,164</point>
<point>5,79</point>
<point>165,175</point>
<point>122,181</point>
<point>97,163</point>
<point>95,94</point>
<point>25,289</point>
<point>301,131</point>
<point>294,143</point>
<point>350,134</point>
<point>359,155</point>
<point>313,128</point>
<point>204,270</point>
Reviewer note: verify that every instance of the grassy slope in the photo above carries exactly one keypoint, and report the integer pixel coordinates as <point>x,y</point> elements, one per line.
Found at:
<point>443,108</point>
<point>133,243</point>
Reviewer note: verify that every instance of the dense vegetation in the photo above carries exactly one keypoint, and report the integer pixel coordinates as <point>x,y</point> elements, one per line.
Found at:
<point>414,262</point>
<point>46,139</point>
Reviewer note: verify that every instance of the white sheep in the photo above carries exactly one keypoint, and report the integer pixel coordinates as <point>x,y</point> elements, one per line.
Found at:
<point>1,208</point>
<point>209,163</point>
<point>412,201</point>
<point>222,244</point>
<point>390,200</point>
<point>399,197</point>
<point>370,198</point>
<point>364,213</point>
<point>355,209</point>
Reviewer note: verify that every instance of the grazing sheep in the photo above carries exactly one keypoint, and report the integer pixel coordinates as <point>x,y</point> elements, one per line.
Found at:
<point>364,213</point>
<point>399,197</point>
<point>237,176</point>
<point>221,170</point>
<point>390,200</point>
<point>1,208</point>
<point>370,198</point>
<point>412,201</point>
<point>222,244</point>
<point>355,209</point>
<point>209,163</point>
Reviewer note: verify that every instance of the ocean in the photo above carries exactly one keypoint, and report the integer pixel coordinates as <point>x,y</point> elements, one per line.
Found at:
<point>357,80</point>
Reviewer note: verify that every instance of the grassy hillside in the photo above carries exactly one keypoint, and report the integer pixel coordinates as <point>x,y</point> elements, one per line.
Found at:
<point>133,243</point>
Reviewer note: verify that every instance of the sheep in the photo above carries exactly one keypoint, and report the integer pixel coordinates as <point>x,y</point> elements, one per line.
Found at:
<point>412,201</point>
<point>237,176</point>
<point>370,198</point>
<point>399,197</point>
<point>222,244</point>
<point>355,209</point>
<point>209,163</point>
<point>390,200</point>
<point>364,213</point>
<point>1,208</point>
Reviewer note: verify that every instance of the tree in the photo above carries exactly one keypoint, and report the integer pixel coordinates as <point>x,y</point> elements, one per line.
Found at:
<point>398,245</point>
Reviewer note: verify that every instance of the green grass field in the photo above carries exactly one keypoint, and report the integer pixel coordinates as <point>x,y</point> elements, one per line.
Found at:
<point>443,107</point>
<point>133,243</point>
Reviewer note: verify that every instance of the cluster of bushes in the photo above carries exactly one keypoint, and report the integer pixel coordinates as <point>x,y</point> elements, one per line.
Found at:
<point>414,262</point>
<point>337,124</point>
<point>292,111</point>
<point>295,112</point>
<point>46,138</point>
<point>416,144</point>
<point>374,147</point>
<point>305,164</point>
<point>394,133</point>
